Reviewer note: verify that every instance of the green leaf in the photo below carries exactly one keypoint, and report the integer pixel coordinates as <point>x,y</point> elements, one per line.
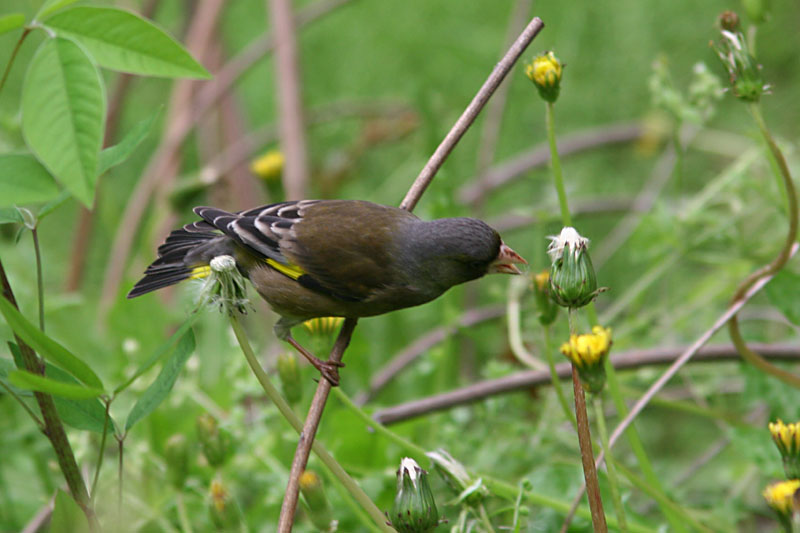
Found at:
<point>53,204</point>
<point>10,215</point>
<point>114,155</point>
<point>47,347</point>
<point>23,180</point>
<point>158,390</point>
<point>782,292</point>
<point>6,366</point>
<point>68,517</point>
<point>63,114</point>
<point>80,414</point>
<point>160,352</point>
<point>11,22</point>
<point>123,41</point>
<point>30,381</point>
<point>51,6</point>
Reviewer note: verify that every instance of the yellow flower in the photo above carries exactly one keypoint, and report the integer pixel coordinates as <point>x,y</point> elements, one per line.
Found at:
<point>269,166</point>
<point>219,495</point>
<point>588,349</point>
<point>787,439</point>
<point>542,280</point>
<point>545,72</point>
<point>323,325</point>
<point>588,352</point>
<point>780,496</point>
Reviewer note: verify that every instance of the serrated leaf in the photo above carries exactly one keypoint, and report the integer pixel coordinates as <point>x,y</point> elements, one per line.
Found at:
<point>159,389</point>
<point>10,215</point>
<point>47,347</point>
<point>23,180</point>
<point>11,22</point>
<point>34,382</point>
<point>68,517</point>
<point>784,293</point>
<point>63,114</point>
<point>123,41</point>
<point>114,155</point>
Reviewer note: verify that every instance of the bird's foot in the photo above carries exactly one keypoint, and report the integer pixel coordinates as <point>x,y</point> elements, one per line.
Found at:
<point>328,369</point>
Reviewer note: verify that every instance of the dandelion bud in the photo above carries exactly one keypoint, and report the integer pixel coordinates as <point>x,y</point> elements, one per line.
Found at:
<point>289,374</point>
<point>223,284</point>
<point>319,507</point>
<point>414,509</point>
<point>469,489</point>
<point>588,353</point>
<point>573,282</point>
<point>787,439</point>
<point>782,498</point>
<point>215,442</point>
<point>268,166</point>
<point>176,452</point>
<point>545,72</point>
<point>744,74</point>
<point>728,20</point>
<point>223,509</point>
<point>545,304</point>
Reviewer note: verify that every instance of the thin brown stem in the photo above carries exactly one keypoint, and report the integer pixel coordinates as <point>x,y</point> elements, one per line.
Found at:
<point>587,456</point>
<point>310,431</point>
<point>53,426</point>
<point>11,59</point>
<point>470,114</point>
<point>525,380</point>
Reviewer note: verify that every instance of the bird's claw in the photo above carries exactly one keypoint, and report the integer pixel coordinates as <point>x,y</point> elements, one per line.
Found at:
<point>330,371</point>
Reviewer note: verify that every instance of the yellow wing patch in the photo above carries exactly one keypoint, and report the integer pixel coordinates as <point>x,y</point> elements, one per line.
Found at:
<point>200,272</point>
<point>293,271</point>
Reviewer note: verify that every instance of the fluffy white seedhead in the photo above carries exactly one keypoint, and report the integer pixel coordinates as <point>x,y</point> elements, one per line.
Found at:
<point>570,239</point>
<point>410,465</point>
<point>223,263</point>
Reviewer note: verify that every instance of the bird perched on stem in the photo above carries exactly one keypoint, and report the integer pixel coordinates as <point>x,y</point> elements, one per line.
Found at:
<point>348,258</point>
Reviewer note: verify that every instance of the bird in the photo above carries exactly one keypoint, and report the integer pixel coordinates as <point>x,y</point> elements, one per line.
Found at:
<point>343,258</point>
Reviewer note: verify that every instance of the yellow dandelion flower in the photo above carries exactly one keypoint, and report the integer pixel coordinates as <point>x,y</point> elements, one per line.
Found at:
<point>545,72</point>
<point>323,325</point>
<point>780,496</point>
<point>588,352</point>
<point>787,439</point>
<point>269,165</point>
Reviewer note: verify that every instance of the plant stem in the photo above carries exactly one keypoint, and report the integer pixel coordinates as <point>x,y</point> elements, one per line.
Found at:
<point>612,472</point>
<point>183,515</point>
<point>53,426</point>
<point>485,519</point>
<point>551,363</point>
<point>120,457</point>
<point>100,454</point>
<point>555,161</point>
<point>272,393</point>
<point>39,276</point>
<point>23,404</point>
<point>409,446</point>
<point>25,33</point>
<point>783,256</point>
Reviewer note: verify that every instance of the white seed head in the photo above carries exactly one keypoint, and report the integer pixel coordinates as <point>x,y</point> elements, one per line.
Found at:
<point>570,239</point>
<point>410,465</point>
<point>223,263</point>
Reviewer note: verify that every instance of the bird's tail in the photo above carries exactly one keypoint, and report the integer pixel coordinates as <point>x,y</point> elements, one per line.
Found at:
<point>184,255</point>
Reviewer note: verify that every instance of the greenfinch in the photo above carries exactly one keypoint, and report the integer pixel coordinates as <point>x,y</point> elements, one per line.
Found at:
<point>346,258</point>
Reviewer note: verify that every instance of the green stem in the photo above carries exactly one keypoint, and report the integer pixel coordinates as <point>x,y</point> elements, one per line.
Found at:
<point>485,519</point>
<point>272,393</point>
<point>613,481</point>
<point>53,426</point>
<point>23,404</point>
<point>555,161</point>
<point>733,325</point>
<point>120,458</point>
<point>183,515</point>
<point>409,446</point>
<point>551,363</point>
<point>25,33</point>
<point>39,276</point>
<point>101,453</point>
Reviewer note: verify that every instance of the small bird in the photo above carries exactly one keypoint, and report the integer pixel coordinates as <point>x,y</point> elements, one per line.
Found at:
<point>346,258</point>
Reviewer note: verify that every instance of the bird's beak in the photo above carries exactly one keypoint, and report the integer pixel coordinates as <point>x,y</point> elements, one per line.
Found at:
<point>506,261</point>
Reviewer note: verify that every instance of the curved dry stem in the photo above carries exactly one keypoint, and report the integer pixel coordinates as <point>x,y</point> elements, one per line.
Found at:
<point>747,354</point>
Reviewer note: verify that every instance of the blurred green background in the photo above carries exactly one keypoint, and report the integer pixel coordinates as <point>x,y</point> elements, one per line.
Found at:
<point>426,58</point>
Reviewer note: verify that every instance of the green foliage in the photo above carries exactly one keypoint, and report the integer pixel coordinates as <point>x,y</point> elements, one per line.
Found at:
<point>24,181</point>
